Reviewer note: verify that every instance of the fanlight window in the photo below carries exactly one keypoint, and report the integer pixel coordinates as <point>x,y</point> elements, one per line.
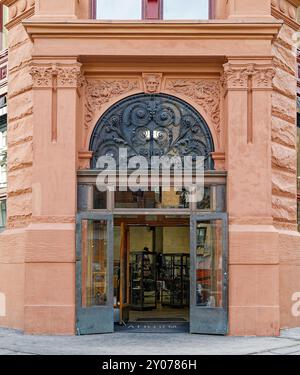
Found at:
<point>152,125</point>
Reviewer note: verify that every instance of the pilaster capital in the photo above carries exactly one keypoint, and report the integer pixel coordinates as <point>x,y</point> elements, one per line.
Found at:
<point>236,77</point>
<point>66,76</point>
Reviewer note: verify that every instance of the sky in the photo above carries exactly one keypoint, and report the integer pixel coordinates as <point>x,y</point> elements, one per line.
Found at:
<point>132,9</point>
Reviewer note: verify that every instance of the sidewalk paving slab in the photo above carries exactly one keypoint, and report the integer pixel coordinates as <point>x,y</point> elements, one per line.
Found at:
<point>148,344</point>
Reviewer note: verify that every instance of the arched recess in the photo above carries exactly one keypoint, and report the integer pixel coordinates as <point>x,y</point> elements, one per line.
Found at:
<point>152,125</point>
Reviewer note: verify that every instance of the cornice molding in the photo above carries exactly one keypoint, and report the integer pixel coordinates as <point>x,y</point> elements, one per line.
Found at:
<point>159,30</point>
<point>18,11</point>
<point>286,10</point>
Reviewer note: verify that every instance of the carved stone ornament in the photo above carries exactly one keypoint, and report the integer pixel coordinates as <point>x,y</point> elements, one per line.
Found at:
<point>152,125</point>
<point>152,82</point>
<point>206,93</point>
<point>66,75</point>
<point>99,92</point>
<point>237,77</point>
<point>41,75</point>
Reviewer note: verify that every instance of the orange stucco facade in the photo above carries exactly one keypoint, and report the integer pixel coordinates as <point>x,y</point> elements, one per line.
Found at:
<point>55,50</point>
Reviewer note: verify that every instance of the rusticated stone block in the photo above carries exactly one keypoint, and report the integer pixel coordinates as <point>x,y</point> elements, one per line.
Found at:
<point>17,35</point>
<point>20,81</point>
<point>283,157</point>
<point>284,56</point>
<point>20,130</point>
<point>284,107</point>
<point>20,105</point>
<point>20,180</point>
<point>285,83</point>
<point>285,36</point>
<point>20,155</point>
<point>283,132</point>
<point>284,209</point>
<point>19,205</point>
<point>283,184</point>
<point>19,56</point>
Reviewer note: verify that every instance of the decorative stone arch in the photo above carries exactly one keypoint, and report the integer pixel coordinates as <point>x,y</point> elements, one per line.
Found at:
<point>97,105</point>
<point>152,125</point>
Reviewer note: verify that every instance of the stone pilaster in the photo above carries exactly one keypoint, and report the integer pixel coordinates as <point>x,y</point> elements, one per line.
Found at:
<point>253,241</point>
<point>51,274</point>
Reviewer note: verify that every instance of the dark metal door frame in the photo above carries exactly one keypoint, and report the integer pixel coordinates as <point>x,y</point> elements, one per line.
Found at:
<point>97,319</point>
<point>209,320</point>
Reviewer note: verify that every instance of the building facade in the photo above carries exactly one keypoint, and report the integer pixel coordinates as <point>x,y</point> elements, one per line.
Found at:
<point>217,80</point>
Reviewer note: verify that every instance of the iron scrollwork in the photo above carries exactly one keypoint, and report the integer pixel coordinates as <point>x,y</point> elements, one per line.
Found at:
<point>152,125</point>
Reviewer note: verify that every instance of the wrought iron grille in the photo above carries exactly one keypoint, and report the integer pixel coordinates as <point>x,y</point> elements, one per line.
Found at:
<point>152,125</point>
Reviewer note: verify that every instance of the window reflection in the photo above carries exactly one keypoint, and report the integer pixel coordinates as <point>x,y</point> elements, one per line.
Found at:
<point>119,9</point>
<point>94,263</point>
<point>209,264</point>
<point>186,10</point>
<point>152,199</point>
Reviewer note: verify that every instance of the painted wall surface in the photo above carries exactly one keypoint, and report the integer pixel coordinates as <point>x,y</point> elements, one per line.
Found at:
<point>239,75</point>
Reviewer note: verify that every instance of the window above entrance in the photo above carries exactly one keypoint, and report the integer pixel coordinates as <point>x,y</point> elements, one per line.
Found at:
<point>151,126</point>
<point>152,9</point>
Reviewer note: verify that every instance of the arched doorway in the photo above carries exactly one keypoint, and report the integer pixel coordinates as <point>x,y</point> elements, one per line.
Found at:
<point>151,259</point>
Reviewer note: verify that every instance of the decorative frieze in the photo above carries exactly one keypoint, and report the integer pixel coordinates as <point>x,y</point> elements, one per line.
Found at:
<point>206,93</point>
<point>67,76</point>
<point>99,92</point>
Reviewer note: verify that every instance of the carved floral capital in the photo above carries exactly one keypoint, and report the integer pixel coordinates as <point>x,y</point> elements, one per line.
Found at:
<point>67,76</point>
<point>237,77</point>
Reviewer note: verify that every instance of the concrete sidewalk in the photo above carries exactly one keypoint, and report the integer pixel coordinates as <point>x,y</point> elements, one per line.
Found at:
<point>15,343</point>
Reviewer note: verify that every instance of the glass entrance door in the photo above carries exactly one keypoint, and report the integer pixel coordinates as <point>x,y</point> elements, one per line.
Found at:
<point>209,274</point>
<point>94,274</point>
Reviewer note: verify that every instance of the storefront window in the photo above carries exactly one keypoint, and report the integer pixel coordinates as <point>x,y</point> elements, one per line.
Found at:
<point>119,9</point>
<point>185,10</point>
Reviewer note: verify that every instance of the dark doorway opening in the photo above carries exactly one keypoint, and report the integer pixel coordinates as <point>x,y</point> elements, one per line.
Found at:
<point>151,273</point>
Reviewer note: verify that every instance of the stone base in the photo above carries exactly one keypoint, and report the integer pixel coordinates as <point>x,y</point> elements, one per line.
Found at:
<point>37,279</point>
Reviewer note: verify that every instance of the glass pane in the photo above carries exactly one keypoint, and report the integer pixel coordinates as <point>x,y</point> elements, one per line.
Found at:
<point>185,10</point>
<point>100,199</point>
<point>2,213</point>
<point>119,9</point>
<point>205,204</point>
<point>209,264</point>
<point>94,263</point>
<point>152,199</point>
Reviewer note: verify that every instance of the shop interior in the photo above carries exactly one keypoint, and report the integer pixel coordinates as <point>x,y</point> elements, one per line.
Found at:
<point>151,269</point>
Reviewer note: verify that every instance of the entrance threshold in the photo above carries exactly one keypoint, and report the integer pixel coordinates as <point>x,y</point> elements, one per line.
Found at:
<point>154,326</point>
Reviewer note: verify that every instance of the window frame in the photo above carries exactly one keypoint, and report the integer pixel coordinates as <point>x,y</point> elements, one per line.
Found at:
<point>157,7</point>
